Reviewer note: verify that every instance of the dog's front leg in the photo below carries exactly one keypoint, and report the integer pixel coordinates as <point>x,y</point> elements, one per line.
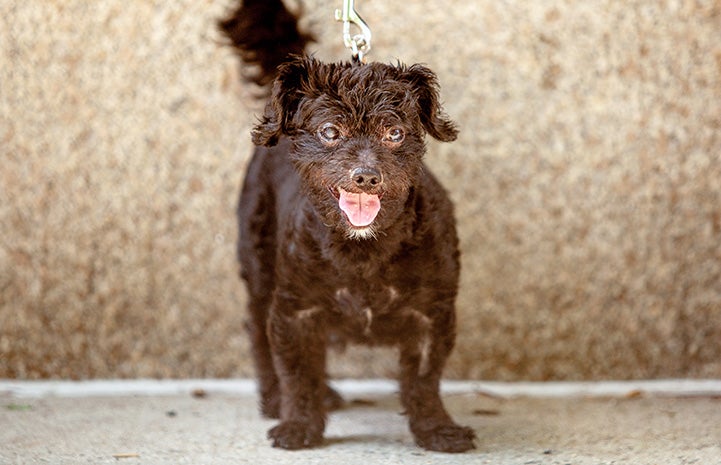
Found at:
<point>422,359</point>
<point>299,350</point>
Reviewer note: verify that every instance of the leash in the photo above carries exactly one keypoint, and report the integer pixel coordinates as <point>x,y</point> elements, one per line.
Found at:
<point>359,44</point>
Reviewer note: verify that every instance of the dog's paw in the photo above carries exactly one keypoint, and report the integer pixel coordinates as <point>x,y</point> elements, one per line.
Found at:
<point>295,435</point>
<point>446,438</point>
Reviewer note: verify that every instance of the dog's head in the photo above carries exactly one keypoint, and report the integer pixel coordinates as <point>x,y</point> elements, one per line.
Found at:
<point>357,133</point>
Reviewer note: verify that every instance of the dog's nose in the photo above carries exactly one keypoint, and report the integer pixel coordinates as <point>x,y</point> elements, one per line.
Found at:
<point>366,178</point>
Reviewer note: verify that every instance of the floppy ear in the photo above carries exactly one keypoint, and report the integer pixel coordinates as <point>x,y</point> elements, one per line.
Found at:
<point>284,100</point>
<point>424,84</point>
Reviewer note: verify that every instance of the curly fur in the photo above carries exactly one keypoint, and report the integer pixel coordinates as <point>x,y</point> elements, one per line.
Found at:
<point>313,274</point>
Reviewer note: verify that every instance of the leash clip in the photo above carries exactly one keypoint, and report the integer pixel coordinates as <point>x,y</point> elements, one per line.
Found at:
<point>359,44</point>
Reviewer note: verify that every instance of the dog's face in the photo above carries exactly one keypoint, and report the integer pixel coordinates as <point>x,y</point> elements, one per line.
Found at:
<point>357,135</point>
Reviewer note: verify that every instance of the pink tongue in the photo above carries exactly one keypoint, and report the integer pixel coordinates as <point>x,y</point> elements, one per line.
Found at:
<point>361,209</point>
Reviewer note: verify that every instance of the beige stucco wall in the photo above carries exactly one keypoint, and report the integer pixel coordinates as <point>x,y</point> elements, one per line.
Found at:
<point>587,179</point>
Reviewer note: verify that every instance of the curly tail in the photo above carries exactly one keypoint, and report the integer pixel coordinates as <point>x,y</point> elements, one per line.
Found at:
<point>264,33</point>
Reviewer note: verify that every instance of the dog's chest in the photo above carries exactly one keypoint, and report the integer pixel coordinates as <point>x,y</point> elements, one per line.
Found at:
<point>359,307</point>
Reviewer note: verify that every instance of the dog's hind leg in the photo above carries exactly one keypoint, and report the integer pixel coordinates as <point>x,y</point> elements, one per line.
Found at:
<point>256,254</point>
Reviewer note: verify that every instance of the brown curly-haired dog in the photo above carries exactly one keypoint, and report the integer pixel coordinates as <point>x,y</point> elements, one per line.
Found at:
<point>345,233</point>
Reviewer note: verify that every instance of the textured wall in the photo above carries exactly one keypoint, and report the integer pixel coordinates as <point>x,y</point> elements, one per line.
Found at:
<point>587,180</point>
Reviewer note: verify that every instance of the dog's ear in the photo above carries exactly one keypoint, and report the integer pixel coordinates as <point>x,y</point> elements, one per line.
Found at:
<point>424,84</point>
<point>283,104</point>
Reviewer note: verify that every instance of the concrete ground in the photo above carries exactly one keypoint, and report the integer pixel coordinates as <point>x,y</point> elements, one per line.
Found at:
<point>216,422</point>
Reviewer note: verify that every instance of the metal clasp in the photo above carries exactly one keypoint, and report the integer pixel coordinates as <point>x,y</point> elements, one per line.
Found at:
<point>359,44</point>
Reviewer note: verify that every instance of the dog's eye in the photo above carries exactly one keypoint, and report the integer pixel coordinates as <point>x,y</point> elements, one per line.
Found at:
<point>329,133</point>
<point>394,135</point>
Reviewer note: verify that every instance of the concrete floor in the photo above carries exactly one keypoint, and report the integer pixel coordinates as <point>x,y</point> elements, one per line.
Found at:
<point>216,422</point>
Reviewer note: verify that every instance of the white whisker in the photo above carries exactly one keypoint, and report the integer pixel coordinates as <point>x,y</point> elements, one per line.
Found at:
<point>359,234</point>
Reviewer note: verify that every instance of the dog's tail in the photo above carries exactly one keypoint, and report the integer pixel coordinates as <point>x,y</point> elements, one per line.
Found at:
<point>264,33</point>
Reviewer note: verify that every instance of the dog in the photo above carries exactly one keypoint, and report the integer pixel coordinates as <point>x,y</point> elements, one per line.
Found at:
<point>343,231</point>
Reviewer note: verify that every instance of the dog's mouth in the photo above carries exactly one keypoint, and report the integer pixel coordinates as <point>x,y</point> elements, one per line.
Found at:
<point>360,208</point>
